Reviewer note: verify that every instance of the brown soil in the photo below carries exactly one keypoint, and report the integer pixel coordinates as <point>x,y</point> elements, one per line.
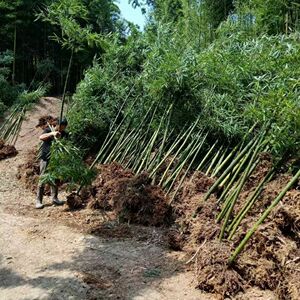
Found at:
<point>74,201</point>
<point>45,121</point>
<point>132,197</point>
<point>270,259</point>
<point>175,240</point>
<point>213,273</point>
<point>7,151</point>
<point>28,172</point>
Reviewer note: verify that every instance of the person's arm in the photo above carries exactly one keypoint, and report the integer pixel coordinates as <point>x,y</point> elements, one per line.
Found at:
<point>47,136</point>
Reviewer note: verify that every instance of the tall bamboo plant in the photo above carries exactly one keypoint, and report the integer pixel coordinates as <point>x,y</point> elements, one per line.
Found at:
<point>68,15</point>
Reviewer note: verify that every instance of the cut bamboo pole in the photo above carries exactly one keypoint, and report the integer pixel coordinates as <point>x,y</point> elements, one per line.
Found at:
<point>249,203</point>
<point>263,217</point>
<point>196,152</point>
<point>249,169</point>
<point>228,170</point>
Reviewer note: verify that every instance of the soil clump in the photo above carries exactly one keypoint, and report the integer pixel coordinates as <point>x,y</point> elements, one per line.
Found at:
<point>45,121</point>
<point>132,197</point>
<point>7,151</point>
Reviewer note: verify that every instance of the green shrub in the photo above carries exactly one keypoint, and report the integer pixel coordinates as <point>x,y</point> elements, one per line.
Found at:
<point>253,81</point>
<point>8,93</point>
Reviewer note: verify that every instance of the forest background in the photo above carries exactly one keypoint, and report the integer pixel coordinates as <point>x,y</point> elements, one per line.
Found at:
<point>232,64</point>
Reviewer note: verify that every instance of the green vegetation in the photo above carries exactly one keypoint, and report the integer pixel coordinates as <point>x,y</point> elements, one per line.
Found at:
<point>8,93</point>
<point>66,165</point>
<point>34,31</point>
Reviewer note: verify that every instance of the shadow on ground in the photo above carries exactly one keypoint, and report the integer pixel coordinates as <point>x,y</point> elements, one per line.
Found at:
<point>97,268</point>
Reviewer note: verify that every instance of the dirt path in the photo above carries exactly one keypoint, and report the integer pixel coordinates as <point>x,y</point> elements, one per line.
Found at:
<point>41,258</point>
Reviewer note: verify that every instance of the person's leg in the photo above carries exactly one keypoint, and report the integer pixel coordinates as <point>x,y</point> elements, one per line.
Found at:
<point>40,191</point>
<point>54,194</point>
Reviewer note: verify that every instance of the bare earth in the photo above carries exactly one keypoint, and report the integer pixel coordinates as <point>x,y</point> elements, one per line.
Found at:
<point>42,258</point>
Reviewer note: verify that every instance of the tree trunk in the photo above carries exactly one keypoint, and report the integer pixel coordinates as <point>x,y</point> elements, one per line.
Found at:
<point>15,51</point>
<point>65,87</point>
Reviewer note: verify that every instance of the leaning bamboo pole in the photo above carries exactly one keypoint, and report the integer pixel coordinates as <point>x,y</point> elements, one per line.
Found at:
<point>266,213</point>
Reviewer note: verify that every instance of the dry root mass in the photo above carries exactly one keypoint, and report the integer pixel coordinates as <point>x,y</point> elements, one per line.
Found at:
<point>7,151</point>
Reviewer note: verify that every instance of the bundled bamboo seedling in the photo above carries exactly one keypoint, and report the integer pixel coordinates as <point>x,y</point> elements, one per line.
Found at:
<point>66,165</point>
<point>10,129</point>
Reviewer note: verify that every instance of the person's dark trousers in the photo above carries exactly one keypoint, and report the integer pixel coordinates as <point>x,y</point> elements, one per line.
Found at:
<point>41,186</point>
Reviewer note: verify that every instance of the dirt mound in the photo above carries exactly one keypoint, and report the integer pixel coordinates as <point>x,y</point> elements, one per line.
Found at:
<point>45,120</point>
<point>28,172</point>
<point>212,271</point>
<point>195,229</point>
<point>132,197</point>
<point>74,201</point>
<point>286,216</point>
<point>262,263</point>
<point>137,201</point>
<point>175,240</point>
<point>270,259</point>
<point>7,151</point>
<point>261,170</point>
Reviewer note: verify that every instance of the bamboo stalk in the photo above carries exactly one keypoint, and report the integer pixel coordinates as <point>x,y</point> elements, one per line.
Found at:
<point>235,196</point>
<point>167,154</point>
<point>263,217</point>
<point>235,173</point>
<point>184,156</point>
<point>196,152</point>
<point>118,146</point>
<point>131,140</point>
<point>65,86</point>
<point>204,160</point>
<point>251,166</point>
<point>219,163</point>
<point>249,203</point>
<point>229,168</point>
<point>187,136</point>
<point>110,136</point>
<point>216,156</point>
<point>162,148</point>
<point>148,145</point>
<point>225,161</point>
